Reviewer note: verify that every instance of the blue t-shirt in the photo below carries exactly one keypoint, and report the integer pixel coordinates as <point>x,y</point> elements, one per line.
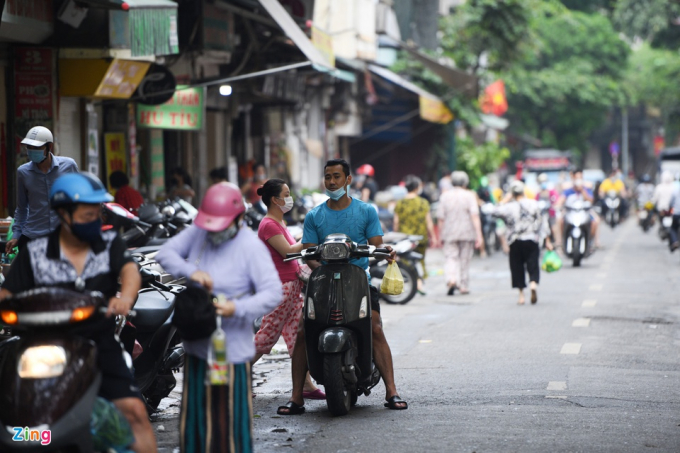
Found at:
<point>359,221</point>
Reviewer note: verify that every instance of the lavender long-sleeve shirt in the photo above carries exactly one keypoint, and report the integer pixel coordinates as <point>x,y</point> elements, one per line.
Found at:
<point>242,269</point>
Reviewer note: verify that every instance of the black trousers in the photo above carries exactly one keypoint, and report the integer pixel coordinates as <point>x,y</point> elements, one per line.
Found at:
<point>524,255</point>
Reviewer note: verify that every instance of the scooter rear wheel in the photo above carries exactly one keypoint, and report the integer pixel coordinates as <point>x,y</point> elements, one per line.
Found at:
<point>338,397</point>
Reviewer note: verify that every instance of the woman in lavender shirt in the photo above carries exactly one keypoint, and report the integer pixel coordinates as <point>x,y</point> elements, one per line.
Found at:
<point>226,259</point>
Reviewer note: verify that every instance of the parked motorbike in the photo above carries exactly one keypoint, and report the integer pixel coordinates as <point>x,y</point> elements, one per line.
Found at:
<point>49,379</point>
<point>612,208</point>
<point>162,351</point>
<point>409,264</point>
<point>577,230</point>
<point>254,214</point>
<point>646,216</point>
<point>337,321</point>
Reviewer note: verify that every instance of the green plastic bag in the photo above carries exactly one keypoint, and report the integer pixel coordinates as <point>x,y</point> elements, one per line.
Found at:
<point>110,429</point>
<point>551,261</point>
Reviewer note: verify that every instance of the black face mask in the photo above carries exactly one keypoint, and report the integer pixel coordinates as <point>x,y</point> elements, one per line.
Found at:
<point>87,232</point>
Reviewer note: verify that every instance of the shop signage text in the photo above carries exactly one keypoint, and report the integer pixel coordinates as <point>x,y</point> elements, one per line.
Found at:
<point>184,111</point>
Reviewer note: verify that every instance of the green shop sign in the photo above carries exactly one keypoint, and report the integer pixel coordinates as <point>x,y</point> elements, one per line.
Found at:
<point>184,111</point>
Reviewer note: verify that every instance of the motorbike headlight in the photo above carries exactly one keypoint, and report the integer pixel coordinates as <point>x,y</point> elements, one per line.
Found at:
<point>334,252</point>
<point>363,308</point>
<point>42,362</point>
<point>311,313</point>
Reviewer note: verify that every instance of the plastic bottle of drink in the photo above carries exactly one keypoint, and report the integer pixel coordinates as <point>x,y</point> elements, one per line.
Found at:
<point>217,358</point>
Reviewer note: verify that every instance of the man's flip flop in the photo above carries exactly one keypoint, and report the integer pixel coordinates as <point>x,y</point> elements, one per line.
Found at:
<point>291,408</point>
<point>394,401</point>
<point>315,395</point>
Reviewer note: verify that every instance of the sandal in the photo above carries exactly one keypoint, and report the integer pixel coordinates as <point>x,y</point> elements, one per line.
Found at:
<point>291,408</point>
<point>392,403</point>
<point>317,394</point>
<point>534,296</point>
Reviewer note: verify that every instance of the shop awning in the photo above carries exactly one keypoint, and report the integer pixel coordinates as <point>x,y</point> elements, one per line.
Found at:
<point>432,108</point>
<point>103,79</point>
<point>293,31</point>
<point>455,78</point>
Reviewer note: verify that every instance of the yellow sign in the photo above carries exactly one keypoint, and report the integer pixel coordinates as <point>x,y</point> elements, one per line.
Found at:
<point>122,79</point>
<point>434,110</point>
<point>324,44</point>
<point>114,144</point>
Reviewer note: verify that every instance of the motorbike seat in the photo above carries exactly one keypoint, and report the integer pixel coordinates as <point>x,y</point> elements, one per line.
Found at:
<point>153,310</point>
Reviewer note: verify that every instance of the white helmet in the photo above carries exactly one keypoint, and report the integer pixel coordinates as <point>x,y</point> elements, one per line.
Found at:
<point>38,136</point>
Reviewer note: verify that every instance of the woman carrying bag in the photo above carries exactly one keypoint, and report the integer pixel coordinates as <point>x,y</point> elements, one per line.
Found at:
<point>526,230</point>
<point>232,263</point>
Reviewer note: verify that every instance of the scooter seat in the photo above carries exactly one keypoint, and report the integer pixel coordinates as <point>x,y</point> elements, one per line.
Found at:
<point>153,310</point>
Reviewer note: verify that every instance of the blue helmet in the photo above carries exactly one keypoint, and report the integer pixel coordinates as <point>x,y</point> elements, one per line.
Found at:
<point>76,188</point>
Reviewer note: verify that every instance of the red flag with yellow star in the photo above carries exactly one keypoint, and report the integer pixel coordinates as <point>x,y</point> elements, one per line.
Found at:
<point>493,101</point>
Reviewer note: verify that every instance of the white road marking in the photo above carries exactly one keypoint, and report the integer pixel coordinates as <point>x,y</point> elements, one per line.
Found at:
<point>581,322</point>
<point>425,341</point>
<point>589,303</point>
<point>555,397</point>
<point>595,287</point>
<point>557,385</point>
<point>571,348</point>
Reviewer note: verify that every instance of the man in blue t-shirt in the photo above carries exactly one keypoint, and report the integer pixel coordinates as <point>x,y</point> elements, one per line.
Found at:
<point>359,221</point>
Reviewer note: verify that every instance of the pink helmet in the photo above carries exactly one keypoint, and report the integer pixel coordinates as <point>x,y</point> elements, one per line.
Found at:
<point>222,203</point>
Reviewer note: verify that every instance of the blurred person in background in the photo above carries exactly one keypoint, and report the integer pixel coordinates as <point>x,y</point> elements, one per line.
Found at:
<point>218,175</point>
<point>527,228</point>
<point>181,185</point>
<point>366,185</point>
<point>461,231</point>
<point>644,191</point>
<point>412,216</point>
<point>126,196</point>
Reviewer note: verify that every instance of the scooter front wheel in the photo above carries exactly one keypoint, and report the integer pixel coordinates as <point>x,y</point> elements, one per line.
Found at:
<point>338,397</point>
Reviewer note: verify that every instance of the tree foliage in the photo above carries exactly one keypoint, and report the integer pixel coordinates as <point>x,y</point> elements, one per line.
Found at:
<point>479,160</point>
<point>650,20</point>
<point>486,34</point>
<point>560,93</point>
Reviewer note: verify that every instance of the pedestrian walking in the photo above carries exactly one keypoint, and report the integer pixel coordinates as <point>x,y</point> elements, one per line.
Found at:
<point>228,260</point>
<point>33,217</point>
<point>412,216</point>
<point>126,196</point>
<point>461,231</point>
<point>526,230</point>
<point>285,319</point>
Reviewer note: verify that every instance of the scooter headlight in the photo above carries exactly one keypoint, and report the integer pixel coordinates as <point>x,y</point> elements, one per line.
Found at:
<point>42,362</point>
<point>311,313</point>
<point>363,308</point>
<point>335,252</point>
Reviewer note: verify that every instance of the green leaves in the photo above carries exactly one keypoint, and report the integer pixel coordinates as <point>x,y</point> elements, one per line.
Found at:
<point>561,92</point>
<point>479,160</point>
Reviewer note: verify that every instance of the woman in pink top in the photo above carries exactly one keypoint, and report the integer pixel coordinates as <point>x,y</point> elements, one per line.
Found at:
<point>285,320</point>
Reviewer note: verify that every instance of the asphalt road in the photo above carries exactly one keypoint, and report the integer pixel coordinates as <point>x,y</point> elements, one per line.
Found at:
<point>593,367</point>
